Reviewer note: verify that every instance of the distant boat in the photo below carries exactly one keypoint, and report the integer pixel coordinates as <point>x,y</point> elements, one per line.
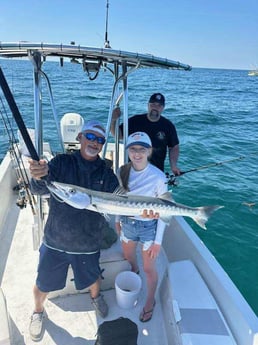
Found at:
<point>253,73</point>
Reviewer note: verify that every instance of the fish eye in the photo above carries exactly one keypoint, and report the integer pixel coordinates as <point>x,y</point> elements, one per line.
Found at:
<point>72,190</point>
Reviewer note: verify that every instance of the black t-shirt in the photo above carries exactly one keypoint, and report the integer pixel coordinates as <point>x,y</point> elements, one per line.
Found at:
<point>162,134</point>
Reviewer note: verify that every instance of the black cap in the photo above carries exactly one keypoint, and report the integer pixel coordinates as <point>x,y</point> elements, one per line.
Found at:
<point>157,98</point>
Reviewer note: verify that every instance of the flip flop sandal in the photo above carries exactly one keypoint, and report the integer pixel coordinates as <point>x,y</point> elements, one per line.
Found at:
<point>143,313</point>
<point>138,272</point>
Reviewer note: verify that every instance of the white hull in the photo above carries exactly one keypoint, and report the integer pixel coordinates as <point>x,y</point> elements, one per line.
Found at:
<point>202,289</point>
<point>253,73</point>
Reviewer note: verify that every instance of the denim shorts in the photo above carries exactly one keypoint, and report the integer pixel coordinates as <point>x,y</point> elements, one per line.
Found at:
<point>138,230</point>
<point>53,267</point>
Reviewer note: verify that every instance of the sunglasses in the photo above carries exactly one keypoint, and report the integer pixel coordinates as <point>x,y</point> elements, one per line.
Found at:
<point>93,137</point>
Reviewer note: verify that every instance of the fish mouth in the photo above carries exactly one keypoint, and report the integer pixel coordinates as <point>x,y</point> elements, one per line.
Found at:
<point>69,194</point>
<point>57,187</point>
<point>54,189</point>
<point>66,190</point>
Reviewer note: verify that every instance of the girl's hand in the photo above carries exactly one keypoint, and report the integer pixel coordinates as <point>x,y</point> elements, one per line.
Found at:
<point>151,214</point>
<point>154,250</point>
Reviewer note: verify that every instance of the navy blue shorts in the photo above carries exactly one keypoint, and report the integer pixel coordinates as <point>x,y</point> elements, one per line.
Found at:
<point>53,267</point>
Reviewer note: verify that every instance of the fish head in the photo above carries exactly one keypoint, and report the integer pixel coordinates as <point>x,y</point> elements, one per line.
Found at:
<point>70,194</point>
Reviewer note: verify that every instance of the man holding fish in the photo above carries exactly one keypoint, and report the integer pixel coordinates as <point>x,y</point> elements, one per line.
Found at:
<point>71,236</point>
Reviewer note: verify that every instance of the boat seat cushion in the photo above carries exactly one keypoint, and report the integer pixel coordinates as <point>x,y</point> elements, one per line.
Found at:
<point>199,318</point>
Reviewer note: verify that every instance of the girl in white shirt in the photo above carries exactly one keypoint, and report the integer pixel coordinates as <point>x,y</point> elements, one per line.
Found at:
<point>139,177</point>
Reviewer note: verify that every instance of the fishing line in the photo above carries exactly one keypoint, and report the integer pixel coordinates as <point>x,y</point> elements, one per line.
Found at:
<point>172,178</point>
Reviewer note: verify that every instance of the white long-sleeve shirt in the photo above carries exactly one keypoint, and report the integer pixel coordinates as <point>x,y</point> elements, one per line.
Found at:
<point>150,181</point>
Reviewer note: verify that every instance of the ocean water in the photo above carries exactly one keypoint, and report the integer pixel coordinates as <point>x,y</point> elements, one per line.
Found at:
<point>215,113</point>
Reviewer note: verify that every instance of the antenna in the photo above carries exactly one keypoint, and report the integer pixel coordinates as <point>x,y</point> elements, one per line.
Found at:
<point>107,45</point>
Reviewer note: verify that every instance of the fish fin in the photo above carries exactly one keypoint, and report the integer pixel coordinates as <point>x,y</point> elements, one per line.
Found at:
<point>166,196</point>
<point>107,217</point>
<point>203,215</point>
<point>94,208</point>
<point>120,191</point>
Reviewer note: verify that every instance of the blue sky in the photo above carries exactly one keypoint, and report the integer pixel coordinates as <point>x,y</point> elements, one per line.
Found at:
<point>202,33</point>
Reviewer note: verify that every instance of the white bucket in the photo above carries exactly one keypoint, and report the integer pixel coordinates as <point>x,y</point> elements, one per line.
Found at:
<point>128,285</point>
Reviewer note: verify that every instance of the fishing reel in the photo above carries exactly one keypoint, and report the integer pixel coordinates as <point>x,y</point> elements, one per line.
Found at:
<point>171,180</point>
<point>22,195</point>
<point>21,200</point>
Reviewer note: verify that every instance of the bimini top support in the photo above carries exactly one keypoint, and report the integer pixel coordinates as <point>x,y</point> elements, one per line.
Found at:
<point>91,54</point>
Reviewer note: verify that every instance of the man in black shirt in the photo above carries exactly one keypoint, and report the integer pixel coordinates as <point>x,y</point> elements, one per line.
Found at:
<point>162,132</point>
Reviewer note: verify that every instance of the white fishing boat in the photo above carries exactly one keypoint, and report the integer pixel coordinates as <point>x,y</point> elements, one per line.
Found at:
<point>253,73</point>
<point>196,301</point>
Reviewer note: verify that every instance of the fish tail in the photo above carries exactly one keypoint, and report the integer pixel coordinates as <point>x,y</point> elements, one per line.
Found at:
<point>203,215</point>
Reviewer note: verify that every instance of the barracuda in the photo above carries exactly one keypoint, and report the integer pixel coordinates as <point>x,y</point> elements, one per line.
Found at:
<point>129,205</point>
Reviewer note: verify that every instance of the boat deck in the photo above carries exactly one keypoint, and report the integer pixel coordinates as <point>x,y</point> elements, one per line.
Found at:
<point>71,319</point>
<point>196,302</point>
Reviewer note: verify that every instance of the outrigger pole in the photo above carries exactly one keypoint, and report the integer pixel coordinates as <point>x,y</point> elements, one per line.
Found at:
<point>17,116</point>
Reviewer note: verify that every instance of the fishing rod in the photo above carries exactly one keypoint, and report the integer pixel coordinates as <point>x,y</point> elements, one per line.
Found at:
<point>17,116</point>
<point>172,178</point>
<point>26,137</point>
<point>21,174</point>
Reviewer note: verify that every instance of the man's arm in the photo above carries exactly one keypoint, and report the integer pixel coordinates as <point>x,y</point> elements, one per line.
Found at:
<point>173,158</point>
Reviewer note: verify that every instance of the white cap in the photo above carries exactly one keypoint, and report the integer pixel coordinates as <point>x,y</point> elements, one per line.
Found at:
<point>139,138</point>
<point>95,126</point>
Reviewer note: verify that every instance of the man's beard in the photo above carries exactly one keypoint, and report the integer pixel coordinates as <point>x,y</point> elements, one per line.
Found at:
<point>154,114</point>
<point>91,151</point>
